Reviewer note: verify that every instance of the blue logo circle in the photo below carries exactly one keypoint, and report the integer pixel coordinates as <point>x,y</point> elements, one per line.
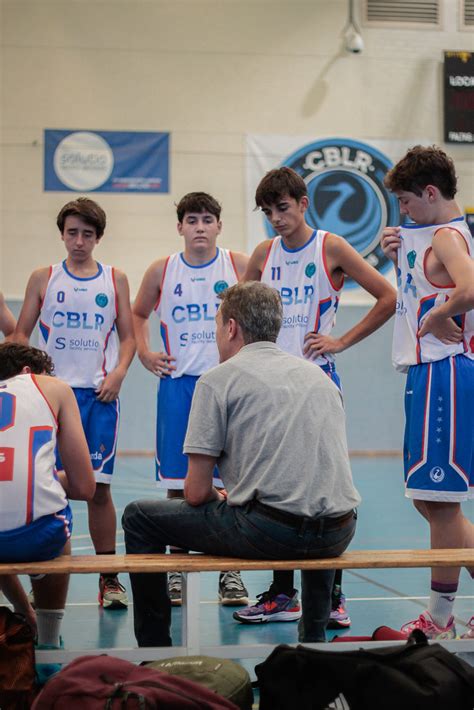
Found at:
<point>102,300</point>
<point>310,269</point>
<point>220,286</point>
<point>346,194</point>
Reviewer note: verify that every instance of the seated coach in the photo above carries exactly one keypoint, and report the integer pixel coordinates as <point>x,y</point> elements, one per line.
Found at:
<point>275,426</point>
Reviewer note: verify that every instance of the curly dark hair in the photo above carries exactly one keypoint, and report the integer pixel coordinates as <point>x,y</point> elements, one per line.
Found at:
<point>14,357</point>
<point>423,166</point>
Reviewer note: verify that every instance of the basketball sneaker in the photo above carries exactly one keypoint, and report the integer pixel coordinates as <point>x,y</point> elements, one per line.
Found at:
<point>269,607</point>
<point>112,594</point>
<point>431,630</point>
<point>470,629</point>
<point>339,618</point>
<point>174,588</point>
<point>45,671</point>
<point>232,591</point>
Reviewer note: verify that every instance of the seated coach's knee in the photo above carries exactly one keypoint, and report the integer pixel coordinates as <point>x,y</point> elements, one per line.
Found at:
<point>129,515</point>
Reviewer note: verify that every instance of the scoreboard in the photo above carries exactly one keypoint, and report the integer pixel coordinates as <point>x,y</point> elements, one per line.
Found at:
<point>459,97</point>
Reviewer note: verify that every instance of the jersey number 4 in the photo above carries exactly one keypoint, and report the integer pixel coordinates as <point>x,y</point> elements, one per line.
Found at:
<point>178,290</point>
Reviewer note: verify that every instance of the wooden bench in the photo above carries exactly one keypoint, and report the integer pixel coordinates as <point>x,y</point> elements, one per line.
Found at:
<point>192,565</point>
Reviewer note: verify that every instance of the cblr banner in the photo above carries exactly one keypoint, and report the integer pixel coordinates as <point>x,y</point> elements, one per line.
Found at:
<point>106,161</point>
<point>344,178</point>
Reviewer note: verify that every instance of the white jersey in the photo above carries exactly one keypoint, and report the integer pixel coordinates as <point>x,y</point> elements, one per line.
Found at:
<point>77,325</point>
<point>417,295</point>
<point>309,297</point>
<point>187,309</point>
<point>28,487</point>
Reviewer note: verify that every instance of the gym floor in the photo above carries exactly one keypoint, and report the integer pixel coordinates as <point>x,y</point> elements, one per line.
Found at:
<point>387,520</point>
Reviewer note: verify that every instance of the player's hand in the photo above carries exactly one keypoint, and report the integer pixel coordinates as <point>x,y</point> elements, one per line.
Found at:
<point>443,328</point>
<point>316,345</point>
<point>30,616</point>
<point>390,242</point>
<point>109,389</point>
<point>160,364</point>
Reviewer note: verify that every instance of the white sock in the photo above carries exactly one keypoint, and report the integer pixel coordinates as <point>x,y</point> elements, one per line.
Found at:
<point>49,624</point>
<point>441,606</point>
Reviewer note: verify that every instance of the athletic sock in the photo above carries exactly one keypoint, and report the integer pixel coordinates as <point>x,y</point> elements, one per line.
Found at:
<point>441,602</point>
<point>49,624</point>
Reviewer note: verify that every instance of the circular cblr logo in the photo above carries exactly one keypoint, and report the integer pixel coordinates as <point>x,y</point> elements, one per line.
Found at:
<point>347,195</point>
<point>437,474</point>
<point>220,286</point>
<point>310,269</point>
<point>83,161</point>
<point>102,300</point>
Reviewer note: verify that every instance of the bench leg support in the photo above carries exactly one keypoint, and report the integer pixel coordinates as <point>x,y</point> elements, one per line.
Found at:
<point>191,590</point>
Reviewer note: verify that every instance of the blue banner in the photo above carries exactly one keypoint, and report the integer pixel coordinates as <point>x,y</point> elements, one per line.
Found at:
<point>106,161</point>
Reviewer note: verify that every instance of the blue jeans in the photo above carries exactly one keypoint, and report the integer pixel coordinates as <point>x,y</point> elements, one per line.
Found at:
<point>216,528</point>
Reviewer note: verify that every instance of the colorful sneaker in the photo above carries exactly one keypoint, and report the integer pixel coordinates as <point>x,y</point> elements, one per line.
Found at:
<point>271,608</point>
<point>174,588</point>
<point>232,591</point>
<point>431,630</point>
<point>112,594</point>
<point>470,629</point>
<point>339,618</point>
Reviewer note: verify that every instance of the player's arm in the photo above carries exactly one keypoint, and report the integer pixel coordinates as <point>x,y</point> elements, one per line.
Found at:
<point>241,261</point>
<point>7,321</point>
<point>34,294</point>
<point>341,258</point>
<point>198,484</point>
<point>450,249</point>
<point>390,243</point>
<point>77,478</point>
<point>159,363</point>
<point>110,386</point>
<point>255,265</point>
<point>11,586</point>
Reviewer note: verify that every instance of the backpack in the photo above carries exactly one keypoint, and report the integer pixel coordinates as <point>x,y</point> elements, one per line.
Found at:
<point>416,676</point>
<point>17,661</point>
<point>109,683</point>
<point>223,676</point>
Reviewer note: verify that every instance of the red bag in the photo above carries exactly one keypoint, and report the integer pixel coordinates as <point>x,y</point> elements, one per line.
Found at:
<point>17,661</point>
<point>109,683</point>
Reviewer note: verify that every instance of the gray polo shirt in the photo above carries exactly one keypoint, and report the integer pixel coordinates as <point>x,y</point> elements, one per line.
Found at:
<point>276,424</point>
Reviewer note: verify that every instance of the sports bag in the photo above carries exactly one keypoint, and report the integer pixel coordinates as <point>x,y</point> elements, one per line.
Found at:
<point>416,676</point>
<point>109,683</point>
<point>220,675</point>
<point>17,661</point>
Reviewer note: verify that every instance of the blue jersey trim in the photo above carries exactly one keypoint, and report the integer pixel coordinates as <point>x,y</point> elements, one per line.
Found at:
<point>200,266</point>
<point>293,251</point>
<point>422,226</point>
<point>83,278</point>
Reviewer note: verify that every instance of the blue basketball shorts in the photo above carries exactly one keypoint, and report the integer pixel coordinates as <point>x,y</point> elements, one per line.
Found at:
<point>439,443</point>
<point>43,539</point>
<point>100,421</point>
<point>330,370</point>
<point>173,407</point>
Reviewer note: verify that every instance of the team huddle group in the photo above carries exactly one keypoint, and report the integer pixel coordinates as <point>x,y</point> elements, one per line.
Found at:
<point>250,434</point>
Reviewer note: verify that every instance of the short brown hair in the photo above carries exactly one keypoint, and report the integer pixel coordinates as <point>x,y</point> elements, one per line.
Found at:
<point>198,202</point>
<point>257,309</point>
<point>14,357</point>
<point>421,167</point>
<point>86,209</point>
<point>278,183</point>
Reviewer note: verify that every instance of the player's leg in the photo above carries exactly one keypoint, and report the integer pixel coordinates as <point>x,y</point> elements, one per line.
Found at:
<point>101,423</point>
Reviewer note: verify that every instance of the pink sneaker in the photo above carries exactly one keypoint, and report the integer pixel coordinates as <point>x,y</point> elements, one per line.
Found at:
<point>470,629</point>
<point>431,630</point>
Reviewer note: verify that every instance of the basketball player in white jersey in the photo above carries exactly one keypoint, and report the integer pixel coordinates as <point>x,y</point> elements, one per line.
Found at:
<point>433,342</point>
<point>86,326</point>
<point>307,266</point>
<point>36,412</point>
<point>183,289</point>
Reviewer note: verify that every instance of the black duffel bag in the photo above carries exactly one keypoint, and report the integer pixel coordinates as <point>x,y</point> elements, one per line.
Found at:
<point>416,676</point>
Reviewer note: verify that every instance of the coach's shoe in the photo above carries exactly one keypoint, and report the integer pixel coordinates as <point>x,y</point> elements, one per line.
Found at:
<point>339,618</point>
<point>470,629</point>
<point>232,591</point>
<point>268,607</point>
<point>431,630</point>
<point>112,594</point>
<point>174,588</point>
